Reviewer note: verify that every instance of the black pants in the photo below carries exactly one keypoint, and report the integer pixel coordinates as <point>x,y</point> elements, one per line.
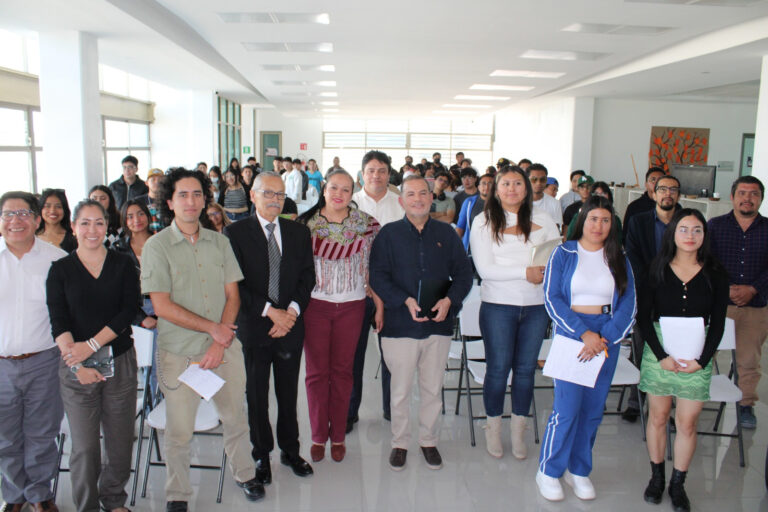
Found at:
<point>259,363</point>
<point>357,369</point>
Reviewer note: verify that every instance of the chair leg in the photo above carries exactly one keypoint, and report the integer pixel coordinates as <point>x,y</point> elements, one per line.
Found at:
<point>669,442</point>
<point>470,414</point>
<point>221,475</point>
<point>740,435</point>
<point>621,398</point>
<point>462,366</point>
<point>62,437</point>
<point>535,420</point>
<point>719,416</point>
<point>641,404</point>
<point>152,439</point>
<point>137,463</point>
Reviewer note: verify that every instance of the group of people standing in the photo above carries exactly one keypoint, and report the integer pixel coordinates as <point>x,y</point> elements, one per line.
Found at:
<point>253,295</point>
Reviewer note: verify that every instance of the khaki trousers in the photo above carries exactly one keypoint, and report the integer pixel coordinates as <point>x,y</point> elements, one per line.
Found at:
<point>181,406</point>
<point>751,331</point>
<point>404,356</point>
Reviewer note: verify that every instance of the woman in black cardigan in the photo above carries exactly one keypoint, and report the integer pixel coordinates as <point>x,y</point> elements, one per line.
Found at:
<point>93,295</point>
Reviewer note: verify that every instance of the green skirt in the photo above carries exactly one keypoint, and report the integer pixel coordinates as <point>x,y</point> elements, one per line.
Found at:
<point>660,382</point>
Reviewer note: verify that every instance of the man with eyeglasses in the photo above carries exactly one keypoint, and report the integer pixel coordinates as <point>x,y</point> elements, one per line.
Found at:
<point>739,239</point>
<point>537,173</point>
<point>645,202</point>
<point>29,360</point>
<point>275,255</point>
<point>642,243</point>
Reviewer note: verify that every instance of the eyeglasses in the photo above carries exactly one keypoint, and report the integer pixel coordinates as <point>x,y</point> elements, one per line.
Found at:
<point>8,215</point>
<point>269,194</point>
<point>536,179</point>
<point>671,190</point>
<point>685,230</point>
<point>214,214</point>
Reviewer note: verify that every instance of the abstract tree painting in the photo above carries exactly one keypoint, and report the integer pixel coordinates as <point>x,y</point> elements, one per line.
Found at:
<point>672,145</point>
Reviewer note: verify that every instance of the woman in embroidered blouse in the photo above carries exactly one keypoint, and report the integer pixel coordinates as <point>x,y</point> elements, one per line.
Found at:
<point>685,280</point>
<point>341,241</point>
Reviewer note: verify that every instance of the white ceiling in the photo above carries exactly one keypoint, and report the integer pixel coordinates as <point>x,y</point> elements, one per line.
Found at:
<point>409,58</point>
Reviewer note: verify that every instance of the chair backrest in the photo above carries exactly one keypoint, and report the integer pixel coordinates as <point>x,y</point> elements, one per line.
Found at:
<point>469,316</point>
<point>728,341</point>
<point>142,342</point>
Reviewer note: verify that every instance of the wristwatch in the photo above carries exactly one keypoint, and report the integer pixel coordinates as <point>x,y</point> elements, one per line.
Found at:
<point>75,368</point>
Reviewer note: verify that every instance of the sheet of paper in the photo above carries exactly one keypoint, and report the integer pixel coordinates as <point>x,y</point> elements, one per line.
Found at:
<point>204,382</point>
<point>563,362</point>
<point>142,342</point>
<point>683,336</point>
<point>540,253</point>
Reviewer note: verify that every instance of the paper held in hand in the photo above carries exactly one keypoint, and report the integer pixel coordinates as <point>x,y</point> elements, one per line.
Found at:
<point>203,382</point>
<point>540,253</point>
<point>563,362</point>
<point>683,336</point>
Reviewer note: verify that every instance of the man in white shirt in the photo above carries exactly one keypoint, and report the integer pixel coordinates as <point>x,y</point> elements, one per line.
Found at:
<point>376,200</point>
<point>30,403</point>
<point>537,173</point>
<point>293,181</point>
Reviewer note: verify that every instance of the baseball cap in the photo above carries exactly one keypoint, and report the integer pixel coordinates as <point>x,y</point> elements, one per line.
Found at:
<point>502,162</point>
<point>589,180</point>
<point>552,181</point>
<point>155,172</point>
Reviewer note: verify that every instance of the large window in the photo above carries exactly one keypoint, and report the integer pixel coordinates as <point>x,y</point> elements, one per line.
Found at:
<point>20,147</point>
<point>122,138</point>
<point>229,131</point>
<point>351,139</point>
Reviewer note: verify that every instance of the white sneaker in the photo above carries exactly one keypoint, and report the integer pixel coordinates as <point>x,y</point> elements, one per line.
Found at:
<point>582,486</point>
<point>549,487</point>
<point>493,436</point>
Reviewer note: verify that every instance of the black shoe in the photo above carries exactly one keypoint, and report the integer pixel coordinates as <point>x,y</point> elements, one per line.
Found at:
<point>432,456</point>
<point>253,489</point>
<point>655,490</point>
<point>299,466</point>
<point>680,501</point>
<point>351,423</point>
<point>630,414</point>
<point>397,459</point>
<point>176,506</point>
<point>263,471</point>
<point>387,416</point>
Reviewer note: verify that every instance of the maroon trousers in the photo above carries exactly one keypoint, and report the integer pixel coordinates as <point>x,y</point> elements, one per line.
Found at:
<point>330,340</point>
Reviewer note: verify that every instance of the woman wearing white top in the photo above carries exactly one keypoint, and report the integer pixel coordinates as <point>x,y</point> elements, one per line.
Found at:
<point>513,320</point>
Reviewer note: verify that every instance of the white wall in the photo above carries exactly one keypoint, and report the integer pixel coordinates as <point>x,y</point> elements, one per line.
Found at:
<point>295,131</point>
<point>623,128</point>
<point>184,131</point>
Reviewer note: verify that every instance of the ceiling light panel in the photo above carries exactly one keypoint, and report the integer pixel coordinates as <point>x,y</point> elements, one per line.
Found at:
<point>454,112</point>
<point>299,67</point>
<point>289,47</point>
<point>275,17</point>
<point>561,55</point>
<point>477,97</point>
<point>511,73</point>
<point>330,103</point>
<point>495,87</point>
<point>623,30</point>
<point>328,94</point>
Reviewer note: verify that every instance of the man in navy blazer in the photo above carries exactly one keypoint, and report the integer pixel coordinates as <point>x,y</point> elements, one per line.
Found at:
<point>270,323</point>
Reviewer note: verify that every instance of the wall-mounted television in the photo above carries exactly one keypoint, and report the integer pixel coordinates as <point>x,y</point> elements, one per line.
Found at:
<point>694,178</point>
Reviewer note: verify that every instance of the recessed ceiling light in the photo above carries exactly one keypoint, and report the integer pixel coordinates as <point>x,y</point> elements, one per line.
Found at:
<point>463,105</point>
<point>464,112</point>
<point>561,55</point>
<point>298,67</point>
<point>289,47</point>
<point>274,17</point>
<point>326,83</point>
<point>527,74</point>
<point>328,94</point>
<point>330,110</point>
<point>493,87</point>
<point>330,103</point>
<point>477,97</point>
<point>607,28</point>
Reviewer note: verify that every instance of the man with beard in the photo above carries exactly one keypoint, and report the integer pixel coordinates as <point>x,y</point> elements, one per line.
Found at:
<point>740,242</point>
<point>642,244</point>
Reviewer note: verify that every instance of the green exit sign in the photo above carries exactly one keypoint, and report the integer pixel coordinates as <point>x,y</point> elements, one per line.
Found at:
<point>247,150</point>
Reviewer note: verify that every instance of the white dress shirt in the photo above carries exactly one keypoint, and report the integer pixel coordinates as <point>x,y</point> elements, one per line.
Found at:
<point>552,206</point>
<point>385,210</point>
<point>25,326</point>
<point>279,240</point>
<point>293,184</point>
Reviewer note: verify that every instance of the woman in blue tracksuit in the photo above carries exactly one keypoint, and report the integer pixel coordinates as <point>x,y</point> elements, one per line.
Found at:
<point>589,293</point>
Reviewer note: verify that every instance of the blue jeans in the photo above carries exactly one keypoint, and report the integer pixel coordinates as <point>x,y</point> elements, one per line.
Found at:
<point>512,336</point>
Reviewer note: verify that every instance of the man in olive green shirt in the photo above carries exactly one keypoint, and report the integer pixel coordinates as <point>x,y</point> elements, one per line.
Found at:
<point>191,275</point>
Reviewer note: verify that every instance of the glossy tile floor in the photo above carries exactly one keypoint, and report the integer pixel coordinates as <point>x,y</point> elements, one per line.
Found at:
<point>471,480</point>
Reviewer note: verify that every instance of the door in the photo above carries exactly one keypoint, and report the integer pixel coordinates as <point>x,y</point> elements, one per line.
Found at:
<point>271,146</point>
<point>747,150</point>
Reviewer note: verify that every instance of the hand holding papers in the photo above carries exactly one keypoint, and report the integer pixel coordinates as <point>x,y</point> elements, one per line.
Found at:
<point>683,337</point>
<point>563,362</point>
<point>204,382</point>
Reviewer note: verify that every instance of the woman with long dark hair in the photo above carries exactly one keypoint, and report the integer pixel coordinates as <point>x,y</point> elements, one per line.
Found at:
<point>234,195</point>
<point>589,293</point>
<point>234,163</point>
<point>513,320</point>
<point>685,280</point>
<point>56,228</point>
<point>103,195</point>
<point>342,237</point>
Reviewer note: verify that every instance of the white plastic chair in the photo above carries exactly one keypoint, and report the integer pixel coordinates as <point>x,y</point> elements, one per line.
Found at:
<point>143,344</point>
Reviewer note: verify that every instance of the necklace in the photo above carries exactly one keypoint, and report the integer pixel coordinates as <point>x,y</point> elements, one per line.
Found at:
<point>191,236</point>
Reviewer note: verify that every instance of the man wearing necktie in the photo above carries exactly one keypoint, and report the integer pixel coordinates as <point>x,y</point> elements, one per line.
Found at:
<point>275,255</point>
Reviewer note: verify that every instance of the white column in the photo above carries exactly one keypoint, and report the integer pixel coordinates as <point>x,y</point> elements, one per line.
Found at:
<point>583,125</point>
<point>69,105</point>
<point>760,159</point>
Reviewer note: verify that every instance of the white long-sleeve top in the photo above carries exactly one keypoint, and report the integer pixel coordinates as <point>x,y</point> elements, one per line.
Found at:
<point>293,183</point>
<point>502,265</point>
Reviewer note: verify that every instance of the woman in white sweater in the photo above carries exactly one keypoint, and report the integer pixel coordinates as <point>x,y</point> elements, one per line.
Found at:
<point>513,320</point>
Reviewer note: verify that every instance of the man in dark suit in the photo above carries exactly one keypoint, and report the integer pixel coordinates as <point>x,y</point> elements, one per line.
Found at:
<point>643,243</point>
<point>275,256</point>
